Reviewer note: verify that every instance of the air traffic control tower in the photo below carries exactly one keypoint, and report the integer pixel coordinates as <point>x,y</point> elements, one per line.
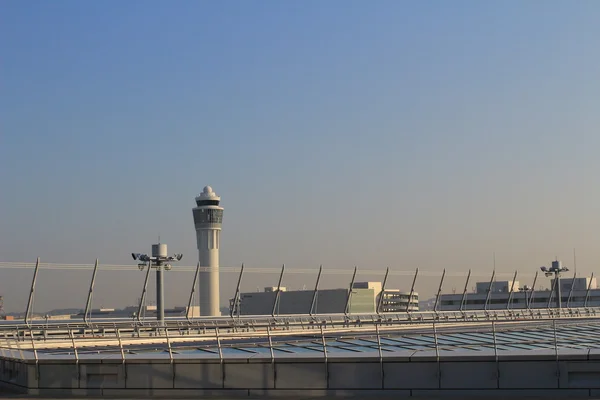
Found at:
<point>208,217</point>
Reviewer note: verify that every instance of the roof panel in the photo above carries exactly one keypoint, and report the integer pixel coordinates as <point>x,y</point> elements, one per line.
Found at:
<point>515,338</point>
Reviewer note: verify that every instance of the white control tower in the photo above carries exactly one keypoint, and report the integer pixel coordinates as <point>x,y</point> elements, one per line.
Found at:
<point>208,217</point>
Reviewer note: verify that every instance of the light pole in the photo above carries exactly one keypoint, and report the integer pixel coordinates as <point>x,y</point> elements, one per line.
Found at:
<point>555,270</point>
<point>160,261</point>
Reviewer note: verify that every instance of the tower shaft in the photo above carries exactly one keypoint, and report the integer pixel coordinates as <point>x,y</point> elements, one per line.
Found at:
<point>160,295</point>
<point>208,255</point>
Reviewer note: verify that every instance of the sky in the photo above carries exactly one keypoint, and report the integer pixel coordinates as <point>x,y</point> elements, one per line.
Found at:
<point>401,134</point>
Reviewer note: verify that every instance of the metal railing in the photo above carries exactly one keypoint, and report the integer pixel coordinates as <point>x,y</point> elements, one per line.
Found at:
<point>213,341</point>
<point>237,322</point>
<point>236,306</point>
<point>294,322</point>
<point>78,348</point>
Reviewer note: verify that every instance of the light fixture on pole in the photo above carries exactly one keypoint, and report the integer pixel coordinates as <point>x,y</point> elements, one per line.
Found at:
<point>161,262</point>
<point>555,271</point>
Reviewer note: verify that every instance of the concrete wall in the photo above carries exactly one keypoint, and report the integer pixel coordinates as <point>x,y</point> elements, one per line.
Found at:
<point>362,301</point>
<point>329,301</point>
<point>573,375</point>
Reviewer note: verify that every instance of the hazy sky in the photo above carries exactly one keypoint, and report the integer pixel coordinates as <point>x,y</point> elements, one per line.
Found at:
<point>373,133</point>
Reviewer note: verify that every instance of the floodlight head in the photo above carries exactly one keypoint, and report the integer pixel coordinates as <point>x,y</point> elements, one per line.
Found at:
<point>141,266</point>
<point>544,269</point>
<point>168,267</point>
<point>548,273</point>
<point>135,255</point>
<point>179,256</point>
<point>564,269</point>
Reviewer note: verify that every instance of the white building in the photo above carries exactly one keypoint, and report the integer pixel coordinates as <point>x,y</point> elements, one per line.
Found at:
<point>363,299</point>
<point>500,296</point>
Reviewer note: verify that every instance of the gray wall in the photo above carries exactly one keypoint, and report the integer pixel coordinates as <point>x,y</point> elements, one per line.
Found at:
<point>576,375</point>
<point>329,301</point>
<point>476,301</point>
<point>362,301</point>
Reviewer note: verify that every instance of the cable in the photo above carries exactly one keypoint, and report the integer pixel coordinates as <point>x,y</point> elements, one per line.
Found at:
<point>254,270</point>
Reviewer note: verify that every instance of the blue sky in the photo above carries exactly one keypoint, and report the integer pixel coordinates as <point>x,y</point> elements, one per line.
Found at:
<point>387,133</point>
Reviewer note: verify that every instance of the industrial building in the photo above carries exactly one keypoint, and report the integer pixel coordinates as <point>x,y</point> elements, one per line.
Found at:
<point>575,292</point>
<point>363,298</point>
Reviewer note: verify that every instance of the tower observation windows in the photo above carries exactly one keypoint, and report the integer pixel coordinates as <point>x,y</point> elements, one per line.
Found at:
<point>208,216</point>
<point>207,203</point>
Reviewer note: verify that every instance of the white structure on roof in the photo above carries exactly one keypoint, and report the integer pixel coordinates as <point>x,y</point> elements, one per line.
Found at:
<point>208,217</point>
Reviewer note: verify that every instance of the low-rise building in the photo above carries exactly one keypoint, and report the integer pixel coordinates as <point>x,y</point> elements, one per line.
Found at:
<point>363,299</point>
<point>575,292</point>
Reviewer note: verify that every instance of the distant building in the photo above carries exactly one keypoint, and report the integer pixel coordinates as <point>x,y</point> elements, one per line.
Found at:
<point>147,311</point>
<point>577,283</point>
<point>225,310</point>
<point>363,299</point>
<point>523,297</point>
<point>396,301</point>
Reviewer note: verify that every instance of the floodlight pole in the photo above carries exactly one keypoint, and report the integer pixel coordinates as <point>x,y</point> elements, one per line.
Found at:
<point>558,294</point>
<point>555,270</point>
<point>552,292</point>
<point>161,262</point>
<point>160,294</point>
